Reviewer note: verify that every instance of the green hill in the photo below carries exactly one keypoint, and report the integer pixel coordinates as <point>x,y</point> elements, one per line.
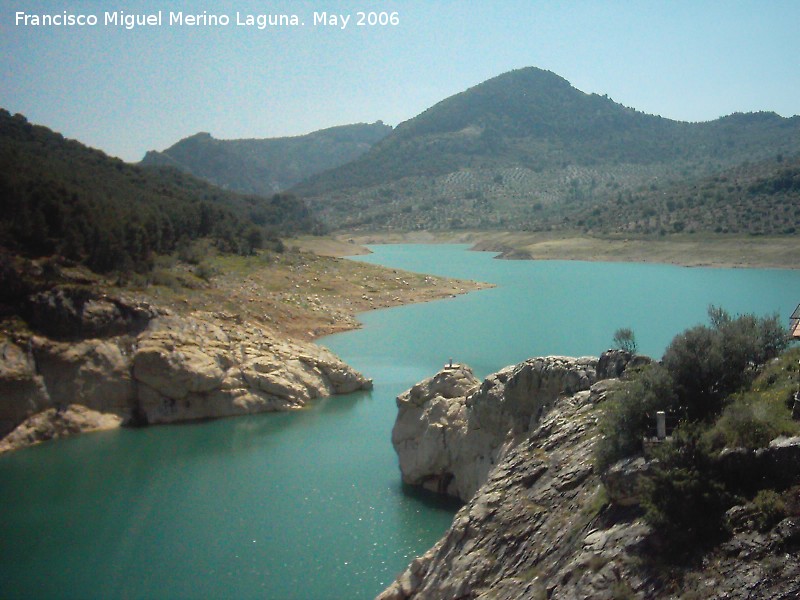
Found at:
<point>519,150</point>
<point>760,198</point>
<point>267,166</point>
<point>58,196</point>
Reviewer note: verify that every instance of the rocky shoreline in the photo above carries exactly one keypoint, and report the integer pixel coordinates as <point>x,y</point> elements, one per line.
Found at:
<point>539,520</point>
<point>98,362</point>
<point>173,346</point>
<point>452,429</point>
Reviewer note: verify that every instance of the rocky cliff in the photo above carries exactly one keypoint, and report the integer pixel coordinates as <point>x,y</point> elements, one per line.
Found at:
<point>451,429</point>
<point>100,362</point>
<point>541,523</point>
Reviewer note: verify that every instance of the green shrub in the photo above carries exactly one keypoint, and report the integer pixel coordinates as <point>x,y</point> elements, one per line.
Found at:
<point>191,252</point>
<point>205,271</point>
<point>710,363</point>
<point>754,417</point>
<point>165,278</point>
<point>750,421</point>
<point>624,339</point>
<point>701,368</point>
<point>630,411</point>
<point>682,499</point>
<point>769,509</point>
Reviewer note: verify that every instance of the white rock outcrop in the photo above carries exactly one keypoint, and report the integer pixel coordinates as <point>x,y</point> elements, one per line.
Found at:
<point>22,389</point>
<point>545,525</point>
<point>191,368</point>
<point>56,423</point>
<point>452,430</point>
<point>174,369</point>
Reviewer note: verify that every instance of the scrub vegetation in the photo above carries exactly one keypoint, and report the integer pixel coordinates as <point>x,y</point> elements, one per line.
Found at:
<point>730,384</point>
<point>267,166</point>
<point>72,216</point>
<point>58,197</point>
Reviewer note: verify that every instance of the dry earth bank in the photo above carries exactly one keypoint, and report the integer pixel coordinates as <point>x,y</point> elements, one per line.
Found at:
<point>691,250</point>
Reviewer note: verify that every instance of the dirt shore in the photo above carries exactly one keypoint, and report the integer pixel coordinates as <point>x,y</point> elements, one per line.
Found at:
<point>299,293</point>
<point>691,250</point>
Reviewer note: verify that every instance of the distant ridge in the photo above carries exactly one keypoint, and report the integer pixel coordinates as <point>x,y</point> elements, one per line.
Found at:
<point>60,197</point>
<point>524,148</point>
<point>267,166</point>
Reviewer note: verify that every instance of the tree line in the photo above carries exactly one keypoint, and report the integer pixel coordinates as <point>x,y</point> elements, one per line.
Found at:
<point>58,196</point>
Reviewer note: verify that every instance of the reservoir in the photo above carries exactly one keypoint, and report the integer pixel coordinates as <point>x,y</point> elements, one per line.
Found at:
<point>309,504</point>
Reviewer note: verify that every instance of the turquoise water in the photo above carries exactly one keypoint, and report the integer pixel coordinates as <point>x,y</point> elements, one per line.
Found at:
<point>309,504</point>
<point>552,307</point>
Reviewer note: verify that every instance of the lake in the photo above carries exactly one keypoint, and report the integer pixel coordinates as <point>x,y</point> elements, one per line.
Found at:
<point>309,504</point>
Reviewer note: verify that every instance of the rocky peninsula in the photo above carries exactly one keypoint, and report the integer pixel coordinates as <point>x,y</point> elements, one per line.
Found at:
<point>84,353</point>
<point>539,520</point>
<point>144,365</point>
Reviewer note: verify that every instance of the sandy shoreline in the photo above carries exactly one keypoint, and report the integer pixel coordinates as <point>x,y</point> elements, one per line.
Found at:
<point>689,250</point>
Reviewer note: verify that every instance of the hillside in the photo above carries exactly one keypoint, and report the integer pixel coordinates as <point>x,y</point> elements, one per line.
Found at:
<point>754,198</point>
<point>59,196</point>
<point>267,166</point>
<point>519,150</point>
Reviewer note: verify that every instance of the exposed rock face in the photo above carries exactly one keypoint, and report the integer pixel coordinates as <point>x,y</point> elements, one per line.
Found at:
<point>192,369</point>
<point>22,390</point>
<point>430,428</point>
<point>70,313</point>
<point>542,526</point>
<point>612,363</point>
<point>778,464</point>
<point>623,478</point>
<point>451,431</point>
<point>176,369</point>
<point>94,372</point>
<point>523,525</point>
<point>54,423</point>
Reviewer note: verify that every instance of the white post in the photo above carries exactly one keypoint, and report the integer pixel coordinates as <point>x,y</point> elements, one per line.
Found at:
<point>661,425</point>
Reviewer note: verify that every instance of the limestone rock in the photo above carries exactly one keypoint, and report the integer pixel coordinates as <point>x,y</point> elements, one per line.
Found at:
<point>176,369</point>
<point>267,375</point>
<point>622,480</point>
<point>430,422</point>
<point>612,363</point>
<point>197,368</point>
<point>22,390</point>
<point>53,423</point>
<point>505,541</point>
<point>541,525</point>
<point>450,382</point>
<point>451,430</point>
<point>75,312</point>
<point>94,373</point>
<point>775,466</point>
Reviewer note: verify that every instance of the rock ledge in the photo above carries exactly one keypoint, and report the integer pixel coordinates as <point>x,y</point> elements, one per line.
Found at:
<point>164,369</point>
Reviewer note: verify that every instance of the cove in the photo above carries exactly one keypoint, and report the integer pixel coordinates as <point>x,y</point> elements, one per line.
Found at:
<point>309,504</point>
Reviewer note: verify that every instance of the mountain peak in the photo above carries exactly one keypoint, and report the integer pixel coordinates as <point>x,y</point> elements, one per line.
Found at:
<point>516,148</point>
<point>531,76</point>
<point>517,96</point>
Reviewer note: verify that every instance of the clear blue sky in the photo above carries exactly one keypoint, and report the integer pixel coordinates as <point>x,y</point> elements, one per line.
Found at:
<point>129,91</point>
